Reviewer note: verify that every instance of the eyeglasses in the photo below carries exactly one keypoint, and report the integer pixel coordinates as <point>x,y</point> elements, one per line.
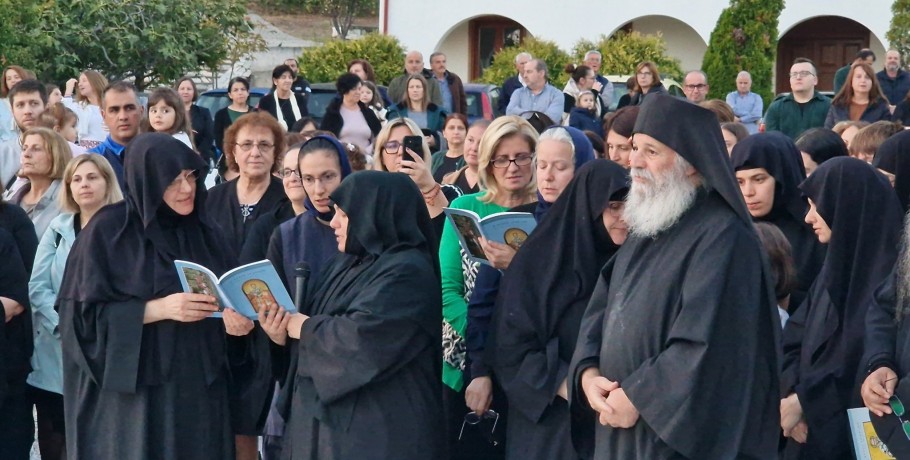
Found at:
<point>471,418</point>
<point>264,147</point>
<point>392,147</point>
<point>288,173</point>
<point>520,160</point>
<point>323,179</point>
<point>801,74</point>
<point>898,408</point>
<point>698,87</point>
<point>189,178</point>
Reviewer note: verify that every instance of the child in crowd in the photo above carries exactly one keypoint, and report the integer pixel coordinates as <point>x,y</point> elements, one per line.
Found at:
<point>63,121</point>
<point>166,114</point>
<point>582,115</point>
<point>780,258</point>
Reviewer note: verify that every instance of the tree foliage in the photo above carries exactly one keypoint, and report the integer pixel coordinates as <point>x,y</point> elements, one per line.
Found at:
<point>325,63</point>
<point>503,65</point>
<point>21,37</point>
<point>899,32</point>
<point>342,12</point>
<point>624,51</point>
<point>745,38</point>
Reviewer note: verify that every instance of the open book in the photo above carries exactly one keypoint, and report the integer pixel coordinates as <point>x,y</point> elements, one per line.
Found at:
<point>511,228</point>
<point>866,443</point>
<point>245,289</point>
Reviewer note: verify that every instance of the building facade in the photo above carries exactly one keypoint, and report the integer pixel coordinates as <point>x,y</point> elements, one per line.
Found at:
<point>469,31</point>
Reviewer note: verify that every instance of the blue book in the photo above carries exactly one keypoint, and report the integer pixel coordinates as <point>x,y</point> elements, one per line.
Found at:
<point>245,289</point>
<point>511,228</point>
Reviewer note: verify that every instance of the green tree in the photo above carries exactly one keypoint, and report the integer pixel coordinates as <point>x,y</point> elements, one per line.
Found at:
<point>899,32</point>
<point>745,38</point>
<point>325,63</point>
<point>342,12</point>
<point>21,39</point>
<point>503,65</point>
<point>623,51</point>
<point>151,41</point>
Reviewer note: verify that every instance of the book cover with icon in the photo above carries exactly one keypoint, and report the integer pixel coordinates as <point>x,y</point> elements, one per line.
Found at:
<point>245,289</point>
<point>511,228</point>
<point>866,443</point>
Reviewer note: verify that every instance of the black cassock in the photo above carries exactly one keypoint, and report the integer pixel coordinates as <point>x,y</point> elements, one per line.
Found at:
<point>224,210</point>
<point>539,308</point>
<point>823,340</point>
<point>162,390</point>
<point>685,322</point>
<point>367,380</point>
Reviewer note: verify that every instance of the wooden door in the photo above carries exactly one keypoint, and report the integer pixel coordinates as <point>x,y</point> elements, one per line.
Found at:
<point>488,35</point>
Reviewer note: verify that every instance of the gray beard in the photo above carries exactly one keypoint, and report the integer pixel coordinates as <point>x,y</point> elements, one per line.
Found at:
<point>655,207</point>
<point>902,305</point>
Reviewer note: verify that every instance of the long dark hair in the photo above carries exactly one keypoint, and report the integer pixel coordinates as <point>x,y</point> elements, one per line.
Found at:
<point>845,95</point>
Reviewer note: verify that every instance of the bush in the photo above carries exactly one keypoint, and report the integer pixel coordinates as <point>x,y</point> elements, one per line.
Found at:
<point>325,63</point>
<point>624,51</point>
<point>745,39</point>
<point>899,32</point>
<point>503,65</point>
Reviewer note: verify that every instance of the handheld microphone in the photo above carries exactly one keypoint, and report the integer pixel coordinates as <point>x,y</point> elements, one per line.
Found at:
<point>301,275</point>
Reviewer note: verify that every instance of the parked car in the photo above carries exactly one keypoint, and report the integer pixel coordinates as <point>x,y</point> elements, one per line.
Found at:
<point>483,101</point>
<point>319,100</point>
<point>619,88</point>
<point>216,99</point>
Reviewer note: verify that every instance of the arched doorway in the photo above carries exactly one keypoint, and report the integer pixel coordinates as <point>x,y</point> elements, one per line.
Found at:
<point>486,36</point>
<point>829,41</point>
<point>682,41</point>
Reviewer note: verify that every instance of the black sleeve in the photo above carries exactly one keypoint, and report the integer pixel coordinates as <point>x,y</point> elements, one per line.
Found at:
<point>16,334</point>
<point>881,329</point>
<point>480,316</point>
<point>14,220</point>
<point>203,135</point>
<point>222,121</point>
<point>275,254</point>
<point>302,104</point>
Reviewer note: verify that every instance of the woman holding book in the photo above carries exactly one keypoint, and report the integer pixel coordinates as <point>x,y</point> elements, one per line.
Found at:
<point>507,176</point>
<point>823,340</point>
<point>142,364</point>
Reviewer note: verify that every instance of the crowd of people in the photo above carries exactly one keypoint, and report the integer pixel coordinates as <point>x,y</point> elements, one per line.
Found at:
<point>707,279</point>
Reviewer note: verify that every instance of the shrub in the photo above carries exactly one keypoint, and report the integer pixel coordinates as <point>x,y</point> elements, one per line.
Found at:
<point>745,39</point>
<point>503,65</point>
<point>623,51</point>
<point>325,63</point>
<point>899,32</point>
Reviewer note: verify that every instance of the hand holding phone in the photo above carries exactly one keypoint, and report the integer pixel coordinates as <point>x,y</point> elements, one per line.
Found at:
<point>415,144</point>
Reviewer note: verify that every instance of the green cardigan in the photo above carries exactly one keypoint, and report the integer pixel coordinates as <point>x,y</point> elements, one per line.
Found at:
<point>454,291</point>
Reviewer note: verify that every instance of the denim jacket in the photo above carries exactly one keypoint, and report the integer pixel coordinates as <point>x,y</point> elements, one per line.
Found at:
<point>50,260</point>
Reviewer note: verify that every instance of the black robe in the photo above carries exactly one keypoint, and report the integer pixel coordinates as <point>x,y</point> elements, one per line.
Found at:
<point>366,385</point>
<point>16,345</point>
<point>778,155</point>
<point>887,344</point>
<point>823,341</point>
<point>224,210</point>
<point>538,311</point>
<point>686,321</point>
<point>145,391</point>
<point>893,156</point>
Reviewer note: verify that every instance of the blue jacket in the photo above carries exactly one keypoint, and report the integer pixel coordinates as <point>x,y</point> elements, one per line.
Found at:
<point>50,260</point>
<point>876,111</point>
<point>114,154</point>
<point>584,120</point>
<point>895,89</point>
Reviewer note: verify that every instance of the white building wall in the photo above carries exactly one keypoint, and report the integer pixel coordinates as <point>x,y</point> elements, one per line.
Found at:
<point>427,25</point>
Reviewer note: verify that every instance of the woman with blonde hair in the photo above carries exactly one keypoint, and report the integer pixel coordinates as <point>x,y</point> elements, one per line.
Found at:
<point>86,102</point>
<point>390,155</point>
<point>44,158</point>
<point>89,184</point>
<point>506,177</point>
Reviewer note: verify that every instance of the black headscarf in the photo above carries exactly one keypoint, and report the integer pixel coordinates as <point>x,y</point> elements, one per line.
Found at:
<point>378,205</point>
<point>695,134</point>
<point>865,218</point>
<point>128,251</point>
<point>893,156</point>
<point>778,155</point>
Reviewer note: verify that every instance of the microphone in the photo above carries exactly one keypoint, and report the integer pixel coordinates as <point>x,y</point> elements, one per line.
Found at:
<point>301,275</point>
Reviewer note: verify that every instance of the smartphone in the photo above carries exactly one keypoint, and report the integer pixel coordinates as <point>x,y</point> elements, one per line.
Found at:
<point>414,143</point>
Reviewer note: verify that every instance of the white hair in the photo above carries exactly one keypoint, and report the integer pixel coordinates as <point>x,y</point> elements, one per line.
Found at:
<point>658,204</point>
<point>744,74</point>
<point>559,134</point>
<point>521,55</point>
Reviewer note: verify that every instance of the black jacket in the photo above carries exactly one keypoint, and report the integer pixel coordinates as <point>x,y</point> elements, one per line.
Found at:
<point>203,131</point>
<point>222,123</point>
<point>333,122</point>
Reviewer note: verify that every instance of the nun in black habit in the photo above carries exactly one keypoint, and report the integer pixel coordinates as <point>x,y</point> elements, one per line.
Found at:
<point>778,156</point>
<point>893,159</point>
<point>538,311</point>
<point>16,421</point>
<point>145,375</point>
<point>854,211</point>
<point>680,338</point>
<point>367,381</point>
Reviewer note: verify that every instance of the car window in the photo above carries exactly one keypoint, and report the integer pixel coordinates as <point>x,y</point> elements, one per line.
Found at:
<point>475,108</point>
<point>494,101</point>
